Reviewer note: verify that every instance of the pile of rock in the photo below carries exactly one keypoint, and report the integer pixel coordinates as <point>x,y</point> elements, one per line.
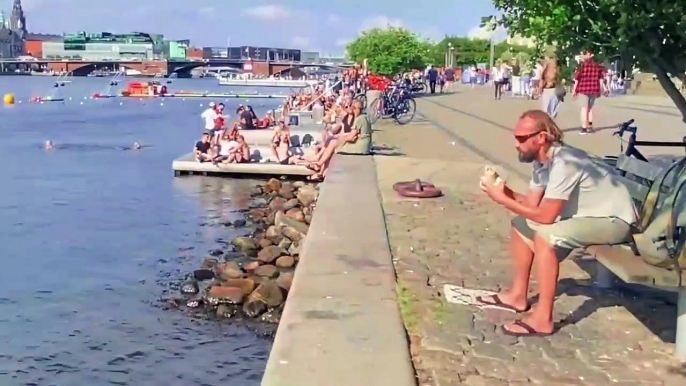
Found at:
<point>253,278</point>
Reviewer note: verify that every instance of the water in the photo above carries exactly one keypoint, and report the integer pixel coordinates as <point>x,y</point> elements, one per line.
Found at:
<point>91,235</point>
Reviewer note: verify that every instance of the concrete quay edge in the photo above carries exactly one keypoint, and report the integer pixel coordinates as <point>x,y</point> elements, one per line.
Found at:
<point>341,324</point>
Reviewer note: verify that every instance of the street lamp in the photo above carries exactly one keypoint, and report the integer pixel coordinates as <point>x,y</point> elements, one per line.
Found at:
<point>448,52</point>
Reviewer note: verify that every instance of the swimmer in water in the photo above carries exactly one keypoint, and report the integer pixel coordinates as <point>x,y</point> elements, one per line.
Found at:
<point>137,145</point>
<point>48,145</point>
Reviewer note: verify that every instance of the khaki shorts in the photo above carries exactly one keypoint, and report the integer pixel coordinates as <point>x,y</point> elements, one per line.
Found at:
<point>575,232</point>
<point>585,101</point>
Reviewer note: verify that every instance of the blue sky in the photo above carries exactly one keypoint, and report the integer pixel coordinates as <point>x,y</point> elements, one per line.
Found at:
<point>319,25</point>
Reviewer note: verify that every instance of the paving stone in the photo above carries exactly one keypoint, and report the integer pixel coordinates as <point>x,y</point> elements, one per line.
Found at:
<point>462,239</point>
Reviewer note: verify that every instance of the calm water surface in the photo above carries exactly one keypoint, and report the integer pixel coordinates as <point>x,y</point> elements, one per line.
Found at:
<point>91,235</point>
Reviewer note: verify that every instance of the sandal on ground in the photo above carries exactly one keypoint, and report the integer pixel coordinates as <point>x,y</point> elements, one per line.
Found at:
<point>529,331</point>
<point>497,303</point>
<point>315,178</point>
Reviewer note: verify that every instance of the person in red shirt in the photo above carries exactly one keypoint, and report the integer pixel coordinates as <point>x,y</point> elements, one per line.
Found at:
<point>589,84</point>
<point>219,123</point>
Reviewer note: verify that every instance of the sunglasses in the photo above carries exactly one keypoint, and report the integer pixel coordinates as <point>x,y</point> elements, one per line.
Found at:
<point>524,138</point>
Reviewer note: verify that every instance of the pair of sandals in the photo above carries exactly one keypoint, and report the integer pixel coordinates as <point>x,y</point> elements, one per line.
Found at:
<point>316,177</point>
<point>529,331</point>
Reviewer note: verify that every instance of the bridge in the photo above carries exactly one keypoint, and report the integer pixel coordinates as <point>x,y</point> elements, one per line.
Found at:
<point>162,67</point>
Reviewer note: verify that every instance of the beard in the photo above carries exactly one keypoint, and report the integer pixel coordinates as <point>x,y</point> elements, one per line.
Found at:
<point>526,158</point>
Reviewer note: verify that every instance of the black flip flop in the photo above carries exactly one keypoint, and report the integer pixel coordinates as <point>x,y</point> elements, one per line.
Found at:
<point>529,331</point>
<point>497,303</point>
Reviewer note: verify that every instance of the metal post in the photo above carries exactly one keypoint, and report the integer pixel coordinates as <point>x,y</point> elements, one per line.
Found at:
<point>681,325</point>
<point>603,276</point>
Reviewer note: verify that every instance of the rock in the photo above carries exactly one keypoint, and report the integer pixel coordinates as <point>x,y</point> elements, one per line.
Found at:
<point>256,191</point>
<point>285,280</point>
<point>226,295</point>
<point>277,203</point>
<point>224,311</point>
<point>228,270</point>
<point>308,219</point>
<point>257,203</point>
<point>269,271</point>
<point>294,250</point>
<point>264,243</point>
<point>296,214</point>
<point>209,263</point>
<point>307,210</point>
<point>292,234</point>
<point>290,204</point>
<point>190,287</point>
<point>272,232</point>
<point>285,261</point>
<point>269,254</point>
<point>251,266</point>
<point>298,184</point>
<point>239,223</point>
<point>257,214</point>
<point>307,195</point>
<point>203,274</point>
<point>269,220</point>
<point>194,302</point>
<point>254,308</point>
<point>285,244</point>
<point>273,185</point>
<point>216,252</point>
<point>244,243</point>
<point>287,222</point>
<point>273,317</point>
<point>269,293</point>
<point>285,193</point>
<point>246,285</point>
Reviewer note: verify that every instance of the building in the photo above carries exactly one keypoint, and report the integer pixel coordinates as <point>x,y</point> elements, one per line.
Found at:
<point>13,32</point>
<point>103,46</point>
<point>309,57</point>
<point>257,53</point>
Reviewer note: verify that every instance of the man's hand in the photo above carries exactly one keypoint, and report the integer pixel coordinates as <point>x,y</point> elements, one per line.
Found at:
<point>496,192</point>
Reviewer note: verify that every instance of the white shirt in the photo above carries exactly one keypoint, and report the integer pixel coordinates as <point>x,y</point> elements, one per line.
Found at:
<point>538,71</point>
<point>209,115</point>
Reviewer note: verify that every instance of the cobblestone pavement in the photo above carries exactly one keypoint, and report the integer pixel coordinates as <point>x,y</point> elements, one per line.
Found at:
<point>606,337</point>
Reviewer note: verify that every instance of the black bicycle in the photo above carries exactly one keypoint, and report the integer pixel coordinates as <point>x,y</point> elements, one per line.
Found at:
<point>396,103</point>
<point>632,143</point>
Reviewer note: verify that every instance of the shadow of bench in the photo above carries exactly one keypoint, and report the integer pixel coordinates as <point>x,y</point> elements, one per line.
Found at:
<point>622,262</point>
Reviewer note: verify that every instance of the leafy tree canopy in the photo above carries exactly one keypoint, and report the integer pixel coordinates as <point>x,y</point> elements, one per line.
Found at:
<point>650,33</point>
<point>390,51</point>
<point>468,51</point>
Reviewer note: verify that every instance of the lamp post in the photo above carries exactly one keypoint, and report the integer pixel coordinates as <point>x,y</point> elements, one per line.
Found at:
<point>448,51</point>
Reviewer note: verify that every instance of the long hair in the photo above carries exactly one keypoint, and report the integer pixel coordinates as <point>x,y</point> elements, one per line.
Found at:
<point>545,123</point>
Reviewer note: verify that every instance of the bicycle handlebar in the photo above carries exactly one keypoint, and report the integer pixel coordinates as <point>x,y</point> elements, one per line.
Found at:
<point>626,126</point>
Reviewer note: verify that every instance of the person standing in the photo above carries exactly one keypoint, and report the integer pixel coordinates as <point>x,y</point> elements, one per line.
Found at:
<point>432,74</point>
<point>589,81</point>
<point>550,80</point>
<point>517,88</point>
<point>497,78</point>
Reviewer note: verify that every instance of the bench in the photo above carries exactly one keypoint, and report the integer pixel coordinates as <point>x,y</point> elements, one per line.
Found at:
<point>620,260</point>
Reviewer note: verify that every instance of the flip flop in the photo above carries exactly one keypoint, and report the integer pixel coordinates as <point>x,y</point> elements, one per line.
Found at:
<point>315,178</point>
<point>497,303</point>
<point>314,167</point>
<point>529,331</point>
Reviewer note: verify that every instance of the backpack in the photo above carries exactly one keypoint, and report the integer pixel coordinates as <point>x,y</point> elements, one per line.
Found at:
<point>662,224</point>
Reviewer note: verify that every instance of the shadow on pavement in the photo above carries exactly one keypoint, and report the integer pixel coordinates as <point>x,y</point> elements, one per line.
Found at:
<point>657,112</point>
<point>385,151</point>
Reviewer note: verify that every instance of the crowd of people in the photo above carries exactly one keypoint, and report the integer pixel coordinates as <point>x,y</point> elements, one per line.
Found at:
<point>345,128</point>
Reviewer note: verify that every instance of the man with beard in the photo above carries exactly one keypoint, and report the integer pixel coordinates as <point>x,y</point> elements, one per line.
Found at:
<point>572,202</point>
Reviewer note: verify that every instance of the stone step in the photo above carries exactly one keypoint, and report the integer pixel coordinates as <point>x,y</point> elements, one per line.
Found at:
<point>263,153</point>
<point>299,135</point>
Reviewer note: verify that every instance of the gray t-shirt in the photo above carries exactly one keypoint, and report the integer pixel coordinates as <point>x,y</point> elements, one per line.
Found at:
<point>589,189</point>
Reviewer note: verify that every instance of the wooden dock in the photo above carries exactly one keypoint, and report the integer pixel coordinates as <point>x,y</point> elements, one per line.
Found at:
<point>187,165</point>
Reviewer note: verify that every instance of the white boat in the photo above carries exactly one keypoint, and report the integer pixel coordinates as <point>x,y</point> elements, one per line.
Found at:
<point>288,83</point>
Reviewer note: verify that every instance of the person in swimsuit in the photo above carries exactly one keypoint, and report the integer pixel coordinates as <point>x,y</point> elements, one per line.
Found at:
<point>239,153</point>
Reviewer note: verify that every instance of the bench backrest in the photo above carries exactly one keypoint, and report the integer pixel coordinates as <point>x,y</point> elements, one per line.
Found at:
<point>640,169</point>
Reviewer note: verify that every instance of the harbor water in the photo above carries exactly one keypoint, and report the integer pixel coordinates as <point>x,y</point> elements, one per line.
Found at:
<point>92,234</point>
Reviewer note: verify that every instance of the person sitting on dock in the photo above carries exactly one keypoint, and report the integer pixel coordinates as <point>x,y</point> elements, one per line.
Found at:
<point>245,118</point>
<point>202,148</point>
<point>239,153</point>
<point>357,141</point>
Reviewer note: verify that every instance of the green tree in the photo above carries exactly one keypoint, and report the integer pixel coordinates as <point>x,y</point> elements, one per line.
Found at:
<point>390,51</point>
<point>649,33</point>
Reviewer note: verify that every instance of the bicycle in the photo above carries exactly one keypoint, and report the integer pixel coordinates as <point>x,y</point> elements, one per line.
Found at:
<point>631,144</point>
<point>395,102</point>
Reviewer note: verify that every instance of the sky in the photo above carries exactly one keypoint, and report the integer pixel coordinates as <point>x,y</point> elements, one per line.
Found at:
<point>324,26</point>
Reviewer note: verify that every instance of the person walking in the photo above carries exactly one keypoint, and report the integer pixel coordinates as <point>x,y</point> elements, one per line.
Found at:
<point>589,80</point>
<point>432,74</point>
<point>550,87</point>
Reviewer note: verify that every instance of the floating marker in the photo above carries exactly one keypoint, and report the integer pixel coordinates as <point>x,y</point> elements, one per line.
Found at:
<point>81,102</point>
<point>162,104</point>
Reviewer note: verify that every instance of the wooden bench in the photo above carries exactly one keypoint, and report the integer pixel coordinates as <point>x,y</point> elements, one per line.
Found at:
<point>620,260</point>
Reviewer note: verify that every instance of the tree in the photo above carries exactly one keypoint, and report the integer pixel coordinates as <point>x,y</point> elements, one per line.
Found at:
<point>650,33</point>
<point>390,51</point>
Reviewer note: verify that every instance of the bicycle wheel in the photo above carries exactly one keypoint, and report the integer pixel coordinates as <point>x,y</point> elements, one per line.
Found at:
<point>404,111</point>
<point>375,110</point>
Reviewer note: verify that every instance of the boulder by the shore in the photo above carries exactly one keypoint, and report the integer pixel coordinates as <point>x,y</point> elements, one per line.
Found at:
<point>252,278</point>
